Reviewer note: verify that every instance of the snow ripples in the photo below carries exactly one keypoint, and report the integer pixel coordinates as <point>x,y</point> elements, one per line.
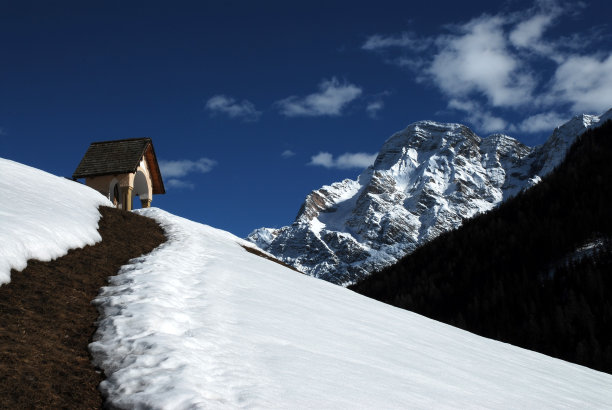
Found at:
<point>201,323</point>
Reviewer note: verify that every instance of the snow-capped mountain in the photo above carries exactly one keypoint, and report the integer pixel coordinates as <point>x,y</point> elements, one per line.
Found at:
<point>427,179</point>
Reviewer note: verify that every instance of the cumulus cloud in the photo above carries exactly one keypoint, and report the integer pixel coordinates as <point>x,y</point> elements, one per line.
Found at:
<point>222,104</point>
<point>546,121</point>
<point>287,153</point>
<point>585,82</point>
<point>180,168</point>
<point>178,184</point>
<point>529,32</point>
<point>479,116</point>
<point>528,35</point>
<point>378,42</point>
<point>174,171</point>
<point>374,107</point>
<point>476,61</point>
<point>332,97</point>
<point>512,64</point>
<point>344,161</point>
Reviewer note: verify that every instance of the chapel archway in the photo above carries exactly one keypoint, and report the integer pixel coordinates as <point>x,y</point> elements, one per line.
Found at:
<point>142,189</point>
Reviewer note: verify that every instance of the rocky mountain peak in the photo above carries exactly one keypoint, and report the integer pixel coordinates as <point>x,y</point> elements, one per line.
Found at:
<point>325,198</point>
<point>427,179</point>
<point>422,137</point>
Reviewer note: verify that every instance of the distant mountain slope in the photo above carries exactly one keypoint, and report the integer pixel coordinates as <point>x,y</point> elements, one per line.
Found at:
<point>536,272</point>
<point>427,179</point>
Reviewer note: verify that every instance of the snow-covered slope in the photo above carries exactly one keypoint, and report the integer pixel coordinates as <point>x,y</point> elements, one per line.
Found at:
<point>426,179</point>
<point>42,216</point>
<point>201,323</point>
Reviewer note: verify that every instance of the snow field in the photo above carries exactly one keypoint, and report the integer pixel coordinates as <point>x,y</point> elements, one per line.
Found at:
<point>201,323</point>
<point>43,216</point>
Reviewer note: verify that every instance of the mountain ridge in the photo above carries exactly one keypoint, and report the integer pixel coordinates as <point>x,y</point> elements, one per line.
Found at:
<point>426,179</point>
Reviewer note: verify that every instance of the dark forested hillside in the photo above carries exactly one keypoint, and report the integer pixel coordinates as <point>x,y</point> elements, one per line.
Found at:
<point>535,272</point>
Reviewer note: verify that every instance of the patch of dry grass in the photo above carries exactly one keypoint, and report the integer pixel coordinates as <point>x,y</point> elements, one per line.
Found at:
<point>47,320</point>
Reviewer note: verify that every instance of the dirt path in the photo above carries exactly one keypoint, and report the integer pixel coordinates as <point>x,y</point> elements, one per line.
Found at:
<point>47,320</point>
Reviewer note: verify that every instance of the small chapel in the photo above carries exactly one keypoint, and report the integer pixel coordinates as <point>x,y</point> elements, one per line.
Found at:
<point>122,170</point>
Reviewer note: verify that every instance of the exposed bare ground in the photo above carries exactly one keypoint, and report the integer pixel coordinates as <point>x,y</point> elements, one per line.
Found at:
<point>47,320</point>
<point>264,255</point>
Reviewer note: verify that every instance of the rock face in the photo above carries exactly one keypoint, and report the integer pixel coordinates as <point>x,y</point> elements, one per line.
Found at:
<point>426,179</point>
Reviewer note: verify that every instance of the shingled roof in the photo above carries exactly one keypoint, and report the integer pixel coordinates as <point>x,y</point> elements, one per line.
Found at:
<point>120,157</point>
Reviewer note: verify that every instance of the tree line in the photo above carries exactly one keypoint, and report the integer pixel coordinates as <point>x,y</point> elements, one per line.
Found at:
<point>515,274</point>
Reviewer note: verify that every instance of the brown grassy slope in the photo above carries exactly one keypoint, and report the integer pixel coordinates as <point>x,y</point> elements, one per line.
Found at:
<point>261,254</point>
<point>47,320</point>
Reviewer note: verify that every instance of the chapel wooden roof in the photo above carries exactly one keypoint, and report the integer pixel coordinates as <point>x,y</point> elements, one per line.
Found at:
<point>120,157</point>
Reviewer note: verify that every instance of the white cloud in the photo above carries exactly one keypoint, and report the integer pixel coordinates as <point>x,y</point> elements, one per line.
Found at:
<point>546,121</point>
<point>585,82</point>
<point>415,63</point>
<point>479,116</point>
<point>528,34</point>
<point>179,184</point>
<point>344,161</point>
<point>324,159</point>
<point>182,167</point>
<point>374,107</point>
<point>409,40</point>
<point>222,104</point>
<point>476,61</point>
<point>172,171</point>
<point>511,63</point>
<point>287,153</point>
<point>331,99</point>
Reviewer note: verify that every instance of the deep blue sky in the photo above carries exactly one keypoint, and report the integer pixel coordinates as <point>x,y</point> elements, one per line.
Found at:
<point>241,97</point>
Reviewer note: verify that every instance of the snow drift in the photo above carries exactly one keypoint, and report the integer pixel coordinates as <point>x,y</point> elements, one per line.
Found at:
<point>201,323</point>
<point>43,216</point>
